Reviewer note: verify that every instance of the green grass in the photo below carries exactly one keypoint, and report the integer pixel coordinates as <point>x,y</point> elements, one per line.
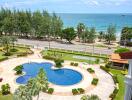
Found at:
<point>67,56</point>
<point>120,94</point>
<point>20,50</point>
<point>6,97</point>
<point>80,53</point>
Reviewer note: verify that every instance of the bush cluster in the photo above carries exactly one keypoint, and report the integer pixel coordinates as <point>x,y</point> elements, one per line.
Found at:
<point>78,91</point>
<point>74,64</point>
<point>90,70</point>
<point>5,88</point>
<point>95,81</point>
<point>50,90</point>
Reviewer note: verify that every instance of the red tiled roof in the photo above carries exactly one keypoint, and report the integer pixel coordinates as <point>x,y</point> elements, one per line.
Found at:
<point>127,55</point>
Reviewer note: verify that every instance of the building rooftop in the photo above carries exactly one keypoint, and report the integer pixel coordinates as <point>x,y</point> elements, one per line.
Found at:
<point>127,55</point>
<point>118,59</point>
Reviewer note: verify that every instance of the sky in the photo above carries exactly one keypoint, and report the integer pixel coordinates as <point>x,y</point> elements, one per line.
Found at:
<point>71,6</point>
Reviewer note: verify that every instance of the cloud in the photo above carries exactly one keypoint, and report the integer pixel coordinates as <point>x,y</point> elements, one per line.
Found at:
<point>104,2</point>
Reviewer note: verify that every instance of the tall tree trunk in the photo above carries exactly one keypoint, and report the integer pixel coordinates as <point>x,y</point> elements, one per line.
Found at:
<point>38,97</point>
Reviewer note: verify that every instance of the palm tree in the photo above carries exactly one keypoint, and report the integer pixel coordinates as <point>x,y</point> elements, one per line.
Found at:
<point>80,29</point>
<point>41,81</point>
<point>22,93</point>
<point>32,87</point>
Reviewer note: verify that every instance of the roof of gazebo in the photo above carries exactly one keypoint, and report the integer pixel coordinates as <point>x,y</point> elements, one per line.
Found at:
<point>126,55</point>
<point>117,59</point>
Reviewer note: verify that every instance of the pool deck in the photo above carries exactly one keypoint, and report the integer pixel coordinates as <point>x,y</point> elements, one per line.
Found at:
<point>104,88</point>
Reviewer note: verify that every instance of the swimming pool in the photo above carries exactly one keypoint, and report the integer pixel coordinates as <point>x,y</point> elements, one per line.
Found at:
<point>59,77</point>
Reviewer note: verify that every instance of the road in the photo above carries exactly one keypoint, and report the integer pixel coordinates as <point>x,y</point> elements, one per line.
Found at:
<point>76,47</point>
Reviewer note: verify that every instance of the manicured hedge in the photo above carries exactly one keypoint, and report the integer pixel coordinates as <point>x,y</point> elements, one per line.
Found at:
<point>104,68</point>
<point>122,50</point>
<point>95,81</point>
<point>78,91</point>
<point>74,64</point>
<point>22,54</point>
<point>90,70</point>
<point>49,57</point>
<point>5,58</point>
<point>113,95</point>
<point>115,79</point>
<point>74,91</point>
<point>81,90</point>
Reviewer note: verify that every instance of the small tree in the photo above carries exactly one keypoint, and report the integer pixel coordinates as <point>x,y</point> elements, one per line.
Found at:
<point>13,40</point>
<point>18,69</point>
<point>58,63</point>
<point>101,36</point>
<point>110,35</point>
<point>69,34</point>
<point>5,41</point>
<point>5,89</point>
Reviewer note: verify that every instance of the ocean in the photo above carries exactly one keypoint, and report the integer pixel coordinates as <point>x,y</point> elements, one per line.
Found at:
<point>99,21</point>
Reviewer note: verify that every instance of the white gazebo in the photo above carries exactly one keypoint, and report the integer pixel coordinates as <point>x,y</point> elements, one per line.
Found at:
<point>128,79</point>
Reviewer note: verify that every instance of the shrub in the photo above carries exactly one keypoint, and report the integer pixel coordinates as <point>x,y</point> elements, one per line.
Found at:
<point>50,90</point>
<point>21,54</point>
<point>81,90</point>
<point>74,91</point>
<point>49,57</point>
<point>75,64</point>
<point>18,69</point>
<point>97,60</point>
<point>115,79</point>
<point>7,54</point>
<point>113,95</point>
<point>5,89</point>
<point>94,81</point>
<point>108,65</point>
<point>122,50</point>
<point>90,70</point>
<point>13,50</point>
<point>105,69</point>
<point>125,72</point>
<point>5,58</point>
<point>72,63</point>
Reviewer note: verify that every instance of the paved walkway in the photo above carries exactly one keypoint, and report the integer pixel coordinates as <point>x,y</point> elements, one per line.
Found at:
<point>104,88</point>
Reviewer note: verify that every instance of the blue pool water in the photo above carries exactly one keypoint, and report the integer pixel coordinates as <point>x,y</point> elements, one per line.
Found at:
<point>59,77</point>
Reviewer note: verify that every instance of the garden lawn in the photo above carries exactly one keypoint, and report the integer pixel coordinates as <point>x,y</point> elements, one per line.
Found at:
<point>121,92</point>
<point>6,97</point>
<point>68,56</point>
<point>1,55</point>
<point>20,50</point>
